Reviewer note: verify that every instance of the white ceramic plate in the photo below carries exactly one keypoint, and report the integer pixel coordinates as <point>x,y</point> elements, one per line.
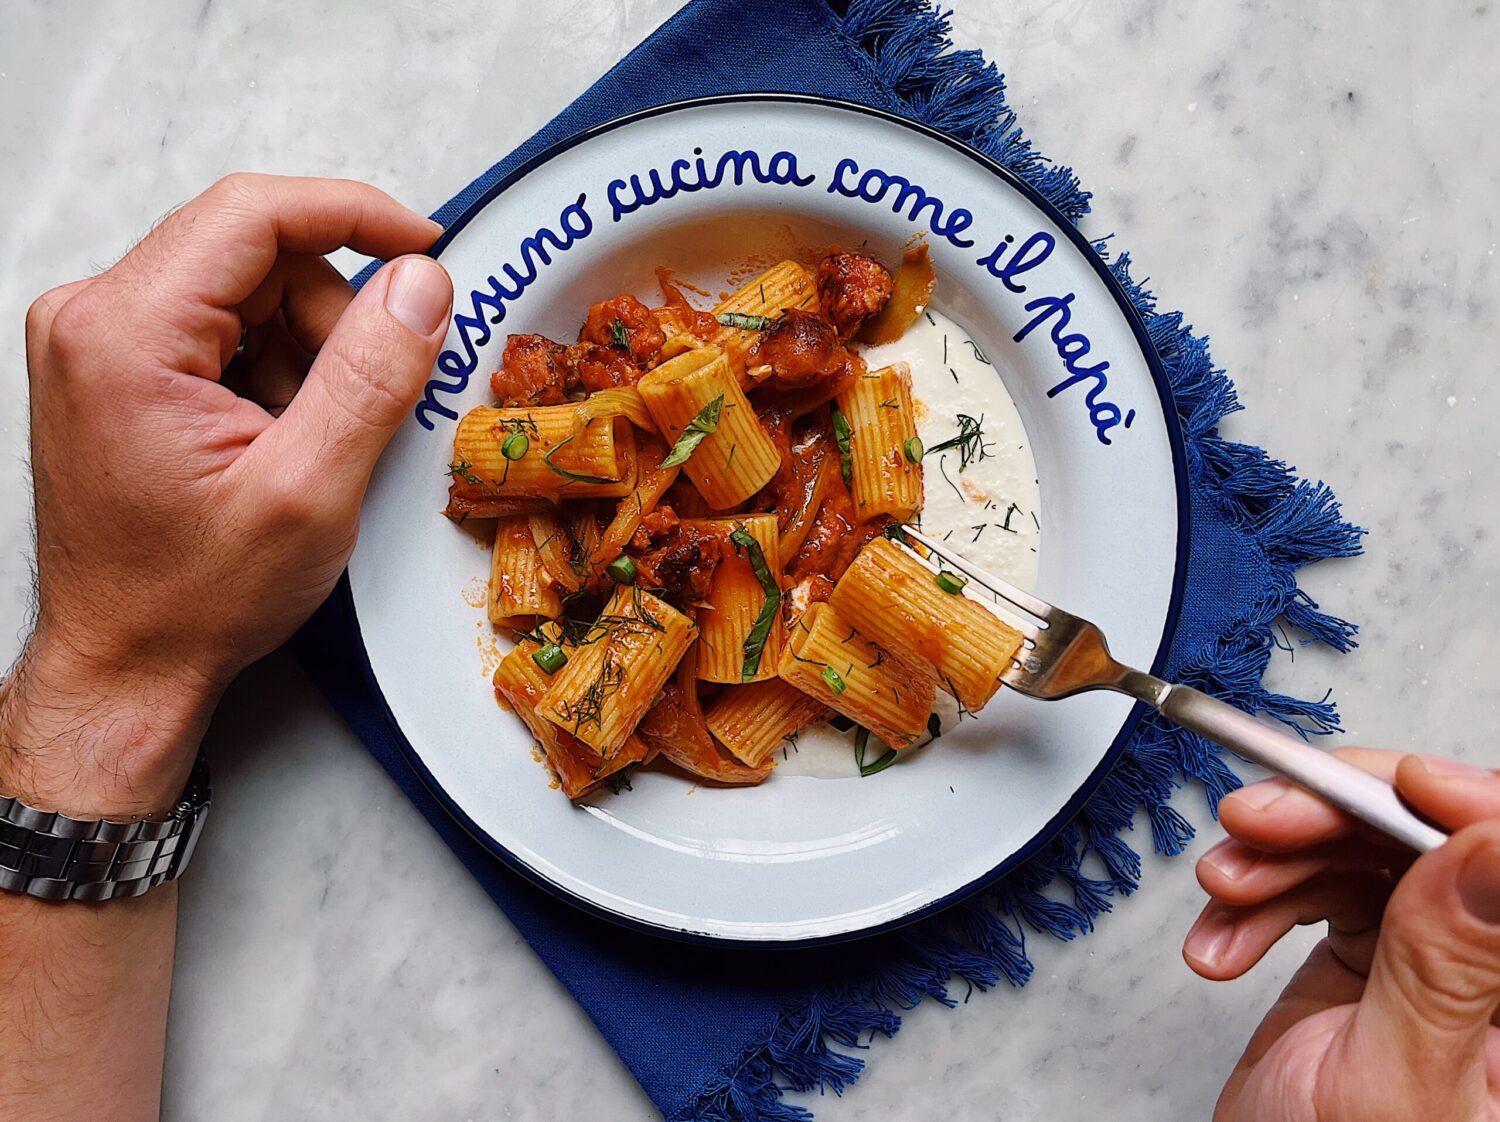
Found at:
<point>802,858</point>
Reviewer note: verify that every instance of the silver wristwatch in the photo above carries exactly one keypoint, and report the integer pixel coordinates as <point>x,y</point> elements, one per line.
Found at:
<point>56,857</point>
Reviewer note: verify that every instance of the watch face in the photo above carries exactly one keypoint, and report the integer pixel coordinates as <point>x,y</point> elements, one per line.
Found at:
<point>1073,452</point>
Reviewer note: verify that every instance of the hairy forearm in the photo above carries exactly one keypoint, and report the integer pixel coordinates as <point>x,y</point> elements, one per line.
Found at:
<point>83,1006</point>
<point>232,513</point>
<point>84,986</point>
<point>98,734</point>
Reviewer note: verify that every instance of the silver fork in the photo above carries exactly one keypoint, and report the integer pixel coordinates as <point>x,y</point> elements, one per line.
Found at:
<point>1063,655</point>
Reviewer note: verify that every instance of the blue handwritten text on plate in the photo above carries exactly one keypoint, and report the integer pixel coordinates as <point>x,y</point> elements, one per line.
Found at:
<point>1072,346</point>
<point>487,306</point>
<point>875,184</point>
<point>696,175</point>
<point>1007,262</point>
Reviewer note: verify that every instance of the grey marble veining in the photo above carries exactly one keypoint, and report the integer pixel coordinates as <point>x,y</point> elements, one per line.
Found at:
<point>1317,184</point>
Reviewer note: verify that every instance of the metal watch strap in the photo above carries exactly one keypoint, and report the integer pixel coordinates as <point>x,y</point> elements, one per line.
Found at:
<point>57,857</point>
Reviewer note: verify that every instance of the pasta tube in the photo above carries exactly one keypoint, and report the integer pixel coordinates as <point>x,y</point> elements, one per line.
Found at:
<point>740,630</point>
<point>520,585</point>
<point>886,454</point>
<point>752,721</point>
<point>538,453</point>
<point>782,286</point>
<point>520,683</point>
<point>694,393</point>
<point>565,538</point>
<point>675,727</point>
<point>830,661</point>
<point>615,673</point>
<point>895,600</point>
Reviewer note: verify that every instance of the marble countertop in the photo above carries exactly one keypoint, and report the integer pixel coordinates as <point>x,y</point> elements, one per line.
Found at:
<point>1314,183</point>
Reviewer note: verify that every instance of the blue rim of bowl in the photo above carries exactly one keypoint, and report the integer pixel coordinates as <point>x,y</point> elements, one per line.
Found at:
<point>1169,627</point>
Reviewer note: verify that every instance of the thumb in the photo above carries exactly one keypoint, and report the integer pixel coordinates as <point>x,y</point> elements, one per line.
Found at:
<point>1435,980</point>
<point>368,372</point>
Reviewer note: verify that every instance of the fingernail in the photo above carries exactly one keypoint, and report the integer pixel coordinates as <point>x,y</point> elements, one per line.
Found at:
<point>1450,769</point>
<point>1229,860</point>
<point>1479,884</point>
<point>1209,939</point>
<point>1259,796</point>
<point>419,294</point>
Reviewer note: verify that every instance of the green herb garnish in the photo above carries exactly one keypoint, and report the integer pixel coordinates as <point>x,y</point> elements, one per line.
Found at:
<point>745,322</point>
<point>912,449</point>
<point>843,437</point>
<point>516,445</point>
<point>577,551</point>
<point>969,442</point>
<point>622,569</point>
<point>620,780</point>
<point>697,429</point>
<point>861,742</point>
<point>642,613</point>
<point>755,642</point>
<point>551,658</point>
<point>583,624</point>
<point>465,471</point>
<point>571,475</point>
<point>951,583</point>
<point>620,333</point>
<point>834,679</point>
<point>589,709</point>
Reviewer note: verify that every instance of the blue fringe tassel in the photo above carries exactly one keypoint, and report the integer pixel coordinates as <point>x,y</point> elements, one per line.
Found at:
<point>1075,878</point>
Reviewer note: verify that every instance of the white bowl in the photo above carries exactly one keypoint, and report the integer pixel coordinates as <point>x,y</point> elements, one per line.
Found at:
<point>800,859</point>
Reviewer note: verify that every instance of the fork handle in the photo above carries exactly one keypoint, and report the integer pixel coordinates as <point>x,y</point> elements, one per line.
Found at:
<point>1352,789</point>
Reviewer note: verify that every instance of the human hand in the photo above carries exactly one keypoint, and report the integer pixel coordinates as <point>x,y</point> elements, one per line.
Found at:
<point>1391,1016</point>
<point>192,511</point>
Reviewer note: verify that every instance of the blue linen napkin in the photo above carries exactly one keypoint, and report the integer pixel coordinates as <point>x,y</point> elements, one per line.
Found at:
<point>717,1034</point>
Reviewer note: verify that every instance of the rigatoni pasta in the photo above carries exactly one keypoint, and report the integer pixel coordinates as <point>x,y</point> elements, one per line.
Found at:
<point>885,452</point>
<point>784,285</point>
<point>615,672</point>
<point>520,683</point>
<point>895,600</point>
<point>729,647</point>
<point>753,720</point>
<point>831,661</point>
<point>540,453</point>
<point>734,458</point>
<point>520,589</point>
<point>675,727</point>
<point>689,553</point>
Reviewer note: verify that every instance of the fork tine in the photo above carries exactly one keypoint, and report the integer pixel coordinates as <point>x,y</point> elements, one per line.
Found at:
<point>1028,603</point>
